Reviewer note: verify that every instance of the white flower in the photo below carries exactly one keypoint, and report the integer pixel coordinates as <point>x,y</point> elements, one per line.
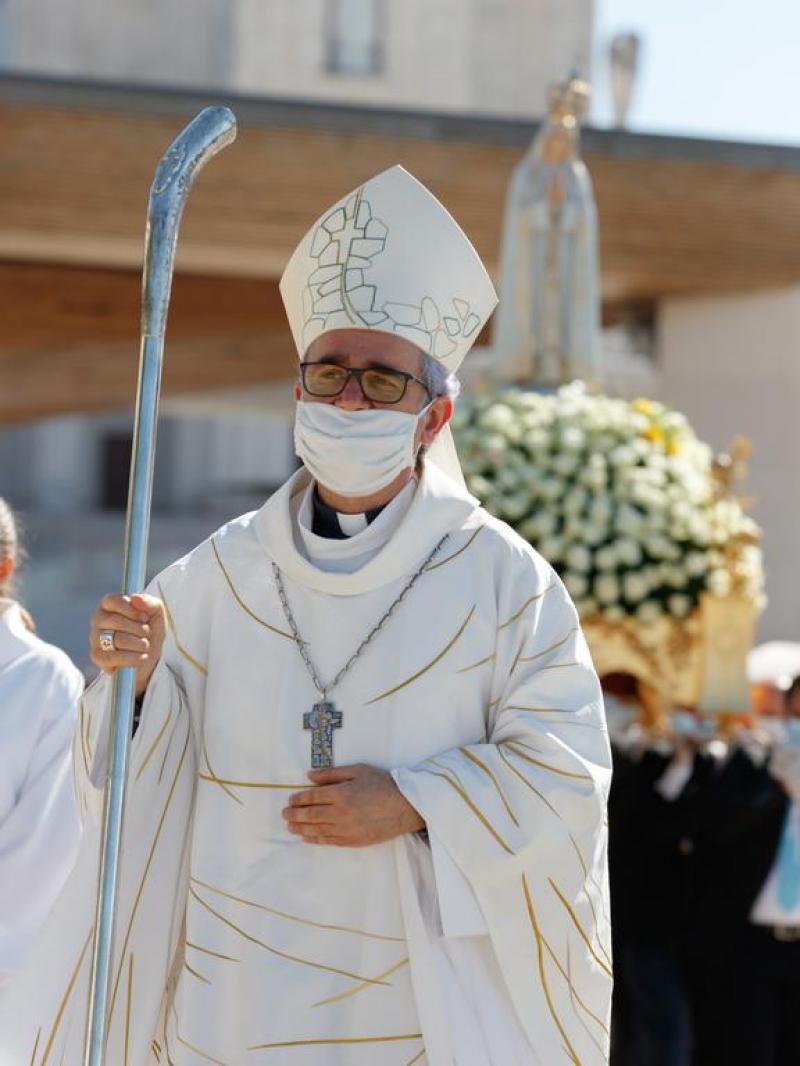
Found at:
<point>552,548</point>
<point>579,557</point>
<point>719,582</point>
<point>635,588</point>
<point>577,584</point>
<point>575,501</point>
<point>595,533</point>
<point>613,614</point>
<point>606,589</point>
<point>551,489</point>
<point>622,455</point>
<point>566,463</point>
<point>628,551</point>
<point>497,417</point>
<point>516,506</point>
<point>572,438</point>
<point>605,558</point>
<point>696,563</point>
<point>679,605</point>
<point>649,611</point>
<point>674,575</point>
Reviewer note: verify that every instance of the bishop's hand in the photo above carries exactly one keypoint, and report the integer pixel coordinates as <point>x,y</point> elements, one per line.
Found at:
<point>128,631</point>
<point>352,807</point>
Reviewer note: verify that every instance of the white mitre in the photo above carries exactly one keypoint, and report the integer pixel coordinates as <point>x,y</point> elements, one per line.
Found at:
<point>389,258</point>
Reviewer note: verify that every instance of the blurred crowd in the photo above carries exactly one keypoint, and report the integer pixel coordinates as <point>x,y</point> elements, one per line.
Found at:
<point>705,881</point>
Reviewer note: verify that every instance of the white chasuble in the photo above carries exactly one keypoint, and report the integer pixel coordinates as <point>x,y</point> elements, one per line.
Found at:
<point>240,944</point>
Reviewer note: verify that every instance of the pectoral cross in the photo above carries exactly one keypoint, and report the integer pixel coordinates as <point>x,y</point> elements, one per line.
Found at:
<point>322,719</point>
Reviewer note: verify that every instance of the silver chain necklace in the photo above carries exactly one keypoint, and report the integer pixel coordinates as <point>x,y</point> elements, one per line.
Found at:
<point>323,717</point>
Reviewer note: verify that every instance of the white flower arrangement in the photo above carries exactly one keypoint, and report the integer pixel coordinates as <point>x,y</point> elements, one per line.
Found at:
<point>620,497</point>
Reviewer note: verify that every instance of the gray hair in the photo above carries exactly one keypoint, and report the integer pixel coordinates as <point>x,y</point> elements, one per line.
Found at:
<point>438,380</point>
<point>9,541</point>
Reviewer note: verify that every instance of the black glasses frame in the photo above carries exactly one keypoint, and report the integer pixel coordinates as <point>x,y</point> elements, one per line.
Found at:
<point>358,373</point>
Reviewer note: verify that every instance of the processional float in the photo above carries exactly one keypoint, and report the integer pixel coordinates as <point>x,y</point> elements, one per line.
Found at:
<point>548,336</point>
<point>211,131</point>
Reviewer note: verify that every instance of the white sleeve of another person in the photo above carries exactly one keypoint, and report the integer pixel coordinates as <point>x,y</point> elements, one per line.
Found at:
<point>39,822</point>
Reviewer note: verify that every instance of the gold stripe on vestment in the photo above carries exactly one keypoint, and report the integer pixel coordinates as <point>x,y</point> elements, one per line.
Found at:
<point>557,666</point>
<point>480,662</point>
<point>216,780</point>
<point>191,1047</point>
<point>240,601</point>
<point>411,1062</point>
<point>539,654</point>
<point>552,809</point>
<point>536,596</point>
<point>543,976</point>
<point>36,1044</point>
<point>455,554</point>
<point>281,954</point>
<point>154,745</point>
<point>171,624</point>
<point>168,748</point>
<point>526,782</point>
<point>581,931</point>
<point>491,775</point>
<point>128,1007</point>
<point>250,784</point>
<point>572,989</point>
<point>65,1000</point>
<point>337,1040</point>
<point>360,988</point>
<point>546,766</point>
<point>84,739</point>
<point>194,973</point>
<point>457,786</point>
<point>208,951</point>
<point>148,864</point>
<point>430,665</point>
<point>297,918</point>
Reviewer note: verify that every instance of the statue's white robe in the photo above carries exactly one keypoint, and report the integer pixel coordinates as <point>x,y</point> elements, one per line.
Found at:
<point>240,944</point>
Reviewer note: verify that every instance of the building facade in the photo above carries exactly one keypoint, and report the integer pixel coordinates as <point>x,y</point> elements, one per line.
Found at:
<point>444,55</point>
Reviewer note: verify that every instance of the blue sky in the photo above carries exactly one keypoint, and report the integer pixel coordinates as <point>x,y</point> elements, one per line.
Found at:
<point>718,68</point>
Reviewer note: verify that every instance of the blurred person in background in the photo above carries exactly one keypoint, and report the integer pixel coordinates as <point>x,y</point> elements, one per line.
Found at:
<point>39,821</point>
<point>746,914</point>
<point>662,765</point>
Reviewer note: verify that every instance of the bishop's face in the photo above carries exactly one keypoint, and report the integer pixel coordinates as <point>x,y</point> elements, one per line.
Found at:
<point>364,349</point>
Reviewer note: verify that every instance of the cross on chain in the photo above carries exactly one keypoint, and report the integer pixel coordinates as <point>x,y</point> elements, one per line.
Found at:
<point>322,719</point>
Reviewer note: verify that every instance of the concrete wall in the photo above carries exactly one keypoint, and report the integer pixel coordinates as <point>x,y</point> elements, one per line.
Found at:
<point>470,55</point>
<point>731,364</point>
<point>463,55</point>
<point>179,42</point>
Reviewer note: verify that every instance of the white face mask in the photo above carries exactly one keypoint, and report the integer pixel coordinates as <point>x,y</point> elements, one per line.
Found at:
<point>355,453</point>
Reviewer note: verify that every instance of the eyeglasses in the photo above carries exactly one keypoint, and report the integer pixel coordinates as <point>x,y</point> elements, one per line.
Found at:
<point>378,384</point>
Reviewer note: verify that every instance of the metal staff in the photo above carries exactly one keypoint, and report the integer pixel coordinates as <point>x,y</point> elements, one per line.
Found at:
<point>211,131</point>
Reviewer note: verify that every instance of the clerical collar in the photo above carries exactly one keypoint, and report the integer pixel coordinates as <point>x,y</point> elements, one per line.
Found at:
<point>327,522</point>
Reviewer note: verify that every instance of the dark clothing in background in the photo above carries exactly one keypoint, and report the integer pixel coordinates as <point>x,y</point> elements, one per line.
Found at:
<point>652,849</point>
<point>745,983</point>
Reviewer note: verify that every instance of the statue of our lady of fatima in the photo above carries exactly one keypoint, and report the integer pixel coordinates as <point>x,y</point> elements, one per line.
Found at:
<point>548,321</point>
